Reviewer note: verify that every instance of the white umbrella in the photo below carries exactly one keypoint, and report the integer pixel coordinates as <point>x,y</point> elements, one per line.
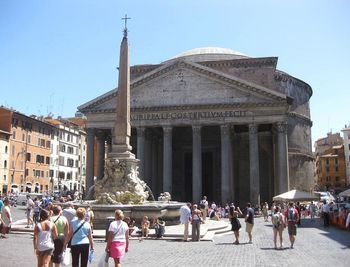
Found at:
<point>345,193</point>
<point>296,195</point>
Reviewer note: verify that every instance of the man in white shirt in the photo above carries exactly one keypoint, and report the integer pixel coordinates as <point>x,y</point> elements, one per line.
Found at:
<point>29,212</point>
<point>185,218</point>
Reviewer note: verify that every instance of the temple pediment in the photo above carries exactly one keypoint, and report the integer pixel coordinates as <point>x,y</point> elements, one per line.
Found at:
<point>183,83</point>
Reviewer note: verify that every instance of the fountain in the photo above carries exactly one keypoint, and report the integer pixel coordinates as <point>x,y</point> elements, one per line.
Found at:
<point>121,187</point>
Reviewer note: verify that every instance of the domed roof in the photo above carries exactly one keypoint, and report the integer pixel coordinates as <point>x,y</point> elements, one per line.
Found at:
<point>209,54</point>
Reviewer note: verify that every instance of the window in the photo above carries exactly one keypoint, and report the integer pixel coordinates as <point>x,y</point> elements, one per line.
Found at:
<point>327,169</point>
<point>5,164</point>
<point>77,163</point>
<point>70,150</point>
<point>28,139</point>
<point>70,162</point>
<point>61,175</point>
<point>52,173</point>
<point>42,174</point>
<point>34,172</point>
<point>336,168</point>
<point>14,135</point>
<point>337,178</point>
<point>23,137</point>
<point>336,161</point>
<point>13,164</point>
<point>37,173</point>
<point>27,172</point>
<point>13,150</point>
<point>48,144</point>
<point>6,149</point>
<point>61,161</point>
<point>69,176</point>
<point>47,160</point>
<point>14,122</point>
<point>28,157</point>
<point>4,177</point>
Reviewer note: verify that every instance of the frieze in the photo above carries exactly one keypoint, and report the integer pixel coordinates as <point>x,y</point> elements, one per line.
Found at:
<point>303,119</point>
<point>192,115</point>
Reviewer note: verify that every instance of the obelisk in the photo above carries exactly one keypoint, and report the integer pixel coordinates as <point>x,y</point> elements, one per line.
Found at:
<point>121,148</point>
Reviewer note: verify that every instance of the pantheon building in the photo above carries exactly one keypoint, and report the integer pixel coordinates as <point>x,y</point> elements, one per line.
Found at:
<point>211,121</point>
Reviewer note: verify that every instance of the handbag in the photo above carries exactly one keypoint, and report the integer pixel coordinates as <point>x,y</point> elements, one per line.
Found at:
<point>70,241</point>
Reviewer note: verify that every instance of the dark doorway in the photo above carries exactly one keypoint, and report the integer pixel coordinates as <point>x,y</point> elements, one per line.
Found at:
<point>207,175</point>
<point>188,176</point>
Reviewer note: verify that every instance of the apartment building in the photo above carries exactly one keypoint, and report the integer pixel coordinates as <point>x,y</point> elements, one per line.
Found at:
<point>29,151</point>
<point>67,164</point>
<point>4,159</point>
<point>330,169</point>
<point>346,137</point>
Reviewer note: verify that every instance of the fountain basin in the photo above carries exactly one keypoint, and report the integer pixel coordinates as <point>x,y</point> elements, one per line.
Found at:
<point>168,211</point>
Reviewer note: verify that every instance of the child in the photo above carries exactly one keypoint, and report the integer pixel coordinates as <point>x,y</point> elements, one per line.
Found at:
<point>145,226</point>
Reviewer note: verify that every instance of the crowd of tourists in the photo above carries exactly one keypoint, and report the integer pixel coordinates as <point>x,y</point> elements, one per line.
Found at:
<point>58,226</point>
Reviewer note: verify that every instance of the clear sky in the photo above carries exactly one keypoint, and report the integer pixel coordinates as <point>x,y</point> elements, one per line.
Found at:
<point>57,55</point>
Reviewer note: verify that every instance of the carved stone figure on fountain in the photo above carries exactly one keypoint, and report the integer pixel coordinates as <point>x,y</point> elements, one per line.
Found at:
<point>120,184</point>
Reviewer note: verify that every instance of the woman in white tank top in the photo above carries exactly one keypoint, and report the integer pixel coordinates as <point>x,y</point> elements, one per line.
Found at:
<point>44,234</point>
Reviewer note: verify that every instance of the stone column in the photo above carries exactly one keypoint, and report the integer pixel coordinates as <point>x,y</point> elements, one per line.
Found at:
<point>282,166</point>
<point>167,159</point>
<point>90,159</point>
<point>254,165</point>
<point>225,164</point>
<point>148,159</point>
<point>141,151</point>
<point>100,154</point>
<point>196,164</point>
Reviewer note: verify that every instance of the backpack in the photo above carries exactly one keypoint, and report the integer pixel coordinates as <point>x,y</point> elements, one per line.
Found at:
<point>291,215</point>
<point>276,219</point>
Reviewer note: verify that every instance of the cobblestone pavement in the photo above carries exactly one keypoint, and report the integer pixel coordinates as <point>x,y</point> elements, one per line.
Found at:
<point>315,246</point>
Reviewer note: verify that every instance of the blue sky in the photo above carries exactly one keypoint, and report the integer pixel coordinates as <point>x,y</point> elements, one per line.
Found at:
<point>57,55</point>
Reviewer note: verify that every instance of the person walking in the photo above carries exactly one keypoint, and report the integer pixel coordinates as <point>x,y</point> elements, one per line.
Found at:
<point>326,209</point>
<point>196,223</point>
<point>204,205</point>
<point>278,225</point>
<point>292,218</point>
<point>80,235</point>
<point>44,234</point>
<point>185,218</point>
<point>5,218</point>
<point>265,211</point>
<point>29,212</point>
<point>249,219</point>
<point>62,229</point>
<point>117,238</point>
<point>235,223</point>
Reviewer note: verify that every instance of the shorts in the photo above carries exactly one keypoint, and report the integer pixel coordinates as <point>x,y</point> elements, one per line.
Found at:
<point>117,249</point>
<point>249,227</point>
<point>58,251</point>
<point>292,229</point>
<point>47,252</point>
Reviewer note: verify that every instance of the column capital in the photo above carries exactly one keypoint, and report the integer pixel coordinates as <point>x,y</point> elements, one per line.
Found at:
<point>225,129</point>
<point>253,128</point>
<point>281,127</point>
<point>141,131</point>
<point>196,129</point>
<point>100,134</point>
<point>167,129</point>
<point>90,131</point>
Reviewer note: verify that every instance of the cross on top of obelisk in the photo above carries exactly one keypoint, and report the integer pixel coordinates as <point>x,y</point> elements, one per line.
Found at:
<point>125,28</point>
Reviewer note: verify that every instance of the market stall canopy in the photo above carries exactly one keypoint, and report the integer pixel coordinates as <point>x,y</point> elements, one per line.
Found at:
<point>345,193</point>
<point>296,195</point>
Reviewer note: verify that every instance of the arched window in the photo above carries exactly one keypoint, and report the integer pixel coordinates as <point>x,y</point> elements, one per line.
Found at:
<point>5,164</point>
<point>6,149</point>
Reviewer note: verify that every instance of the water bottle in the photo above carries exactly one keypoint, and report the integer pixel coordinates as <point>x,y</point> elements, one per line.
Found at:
<point>91,255</point>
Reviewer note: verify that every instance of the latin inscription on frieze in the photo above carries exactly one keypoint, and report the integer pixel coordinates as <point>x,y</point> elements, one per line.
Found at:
<point>191,115</point>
